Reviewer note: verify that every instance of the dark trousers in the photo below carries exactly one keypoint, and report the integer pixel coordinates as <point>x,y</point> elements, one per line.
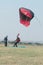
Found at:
<point>6,44</point>
<point>15,44</point>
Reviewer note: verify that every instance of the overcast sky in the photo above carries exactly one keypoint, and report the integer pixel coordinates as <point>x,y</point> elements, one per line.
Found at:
<point>10,24</point>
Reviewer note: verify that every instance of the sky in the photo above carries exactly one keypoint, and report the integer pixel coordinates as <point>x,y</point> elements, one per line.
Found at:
<point>10,21</point>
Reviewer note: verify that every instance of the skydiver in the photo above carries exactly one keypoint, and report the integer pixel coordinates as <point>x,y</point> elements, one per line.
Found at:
<point>17,41</point>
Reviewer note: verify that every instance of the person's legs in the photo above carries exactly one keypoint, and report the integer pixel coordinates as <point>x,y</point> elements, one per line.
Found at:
<point>5,43</point>
<point>15,44</point>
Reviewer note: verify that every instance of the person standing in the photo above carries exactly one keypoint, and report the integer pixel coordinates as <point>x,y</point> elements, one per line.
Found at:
<point>6,40</point>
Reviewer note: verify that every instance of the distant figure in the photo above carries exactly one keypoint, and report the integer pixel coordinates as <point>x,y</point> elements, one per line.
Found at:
<point>17,41</point>
<point>5,40</point>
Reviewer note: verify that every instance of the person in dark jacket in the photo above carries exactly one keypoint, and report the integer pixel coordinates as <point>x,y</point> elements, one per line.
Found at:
<point>17,41</point>
<point>6,40</point>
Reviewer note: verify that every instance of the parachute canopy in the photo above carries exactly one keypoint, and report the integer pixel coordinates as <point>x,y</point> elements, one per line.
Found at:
<point>26,16</point>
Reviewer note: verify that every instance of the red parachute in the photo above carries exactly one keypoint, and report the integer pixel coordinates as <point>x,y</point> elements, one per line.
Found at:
<point>26,16</point>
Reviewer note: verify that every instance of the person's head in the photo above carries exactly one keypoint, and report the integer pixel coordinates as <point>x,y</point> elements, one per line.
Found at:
<point>18,34</point>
